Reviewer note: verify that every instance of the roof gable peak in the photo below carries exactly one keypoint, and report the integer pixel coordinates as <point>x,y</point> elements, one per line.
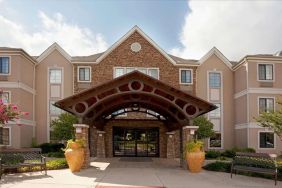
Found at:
<point>128,34</point>
<point>215,51</point>
<point>50,49</point>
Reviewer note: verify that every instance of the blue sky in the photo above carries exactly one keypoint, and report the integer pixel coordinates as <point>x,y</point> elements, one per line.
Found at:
<point>161,20</point>
<point>188,29</point>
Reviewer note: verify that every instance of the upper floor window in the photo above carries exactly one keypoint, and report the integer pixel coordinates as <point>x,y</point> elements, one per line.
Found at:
<point>84,74</point>
<point>266,105</point>
<point>5,96</point>
<point>214,80</point>
<point>55,76</point>
<point>153,72</point>
<point>265,71</point>
<point>185,76</point>
<point>4,65</point>
<point>266,139</point>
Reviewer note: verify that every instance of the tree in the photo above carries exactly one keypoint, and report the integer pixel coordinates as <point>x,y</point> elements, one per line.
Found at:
<point>9,112</point>
<point>205,129</point>
<point>272,120</point>
<point>63,129</point>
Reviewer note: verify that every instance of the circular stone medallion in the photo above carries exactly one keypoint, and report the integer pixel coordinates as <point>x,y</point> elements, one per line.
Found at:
<point>135,47</point>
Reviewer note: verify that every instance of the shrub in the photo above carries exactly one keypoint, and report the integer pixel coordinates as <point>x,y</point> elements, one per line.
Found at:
<point>51,147</point>
<point>51,165</point>
<point>212,154</point>
<point>232,152</point>
<point>218,166</point>
<point>58,154</point>
<point>11,159</point>
<point>193,146</point>
<point>57,164</point>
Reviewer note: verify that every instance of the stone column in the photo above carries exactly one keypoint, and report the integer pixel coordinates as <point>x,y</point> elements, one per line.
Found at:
<point>170,149</point>
<point>81,132</point>
<point>101,151</point>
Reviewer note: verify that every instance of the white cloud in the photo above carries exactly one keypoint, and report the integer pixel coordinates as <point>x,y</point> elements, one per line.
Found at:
<point>74,39</point>
<point>236,28</point>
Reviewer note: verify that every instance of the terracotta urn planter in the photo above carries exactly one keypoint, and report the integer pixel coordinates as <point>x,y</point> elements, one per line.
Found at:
<point>195,156</point>
<point>195,161</point>
<point>74,154</point>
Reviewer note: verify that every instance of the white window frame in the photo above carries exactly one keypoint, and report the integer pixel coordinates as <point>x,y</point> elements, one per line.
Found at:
<point>136,68</point>
<point>9,92</point>
<point>55,68</point>
<point>10,135</point>
<point>90,74</point>
<point>273,72</point>
<point>183,83</point>
<point>10,67</point>
<point>221,105</point>
<point>265,97</point>
<point>258,137</point>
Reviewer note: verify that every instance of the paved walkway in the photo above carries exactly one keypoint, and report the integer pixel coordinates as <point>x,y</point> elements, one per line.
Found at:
<point>113,171</point>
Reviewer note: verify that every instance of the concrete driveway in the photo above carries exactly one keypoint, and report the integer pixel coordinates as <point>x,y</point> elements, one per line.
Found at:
<point>132,172</point>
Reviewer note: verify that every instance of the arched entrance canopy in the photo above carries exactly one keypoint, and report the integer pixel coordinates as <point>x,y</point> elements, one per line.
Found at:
<point>135,91</point>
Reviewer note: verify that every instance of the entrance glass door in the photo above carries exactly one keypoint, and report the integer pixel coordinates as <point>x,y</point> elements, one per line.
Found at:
<point>135,142</point>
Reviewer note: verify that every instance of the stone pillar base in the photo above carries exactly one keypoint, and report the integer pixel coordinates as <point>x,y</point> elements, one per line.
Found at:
<point>81,132</point>
<point>101,150</point>
<point>170,151</point>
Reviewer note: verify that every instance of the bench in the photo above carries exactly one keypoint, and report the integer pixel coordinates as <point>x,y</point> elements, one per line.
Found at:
<point>262,163</point>
<point>16,158</point>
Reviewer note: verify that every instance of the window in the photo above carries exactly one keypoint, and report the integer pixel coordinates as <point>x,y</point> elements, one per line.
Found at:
<point>5,134</point>
<point>185,76</point>
<point>215,141</point>
<point>84,74</point>
<point>5,96</point>
<point>4,65</point>
<point>53,110</point>
<point>55,76</point>
<point>120,112</point>
<point>153,72</point>
<point>265,71</point>
<point>266,140</point>
<point>266,105</point>
<point>119,72</point>
<point>216,112</point>
<point>214,80</point>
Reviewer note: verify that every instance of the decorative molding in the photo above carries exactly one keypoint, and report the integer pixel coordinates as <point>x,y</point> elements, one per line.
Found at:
<point>22,122</point>
<point>16,85</point>
<point>274,91</point>
<point>240,94</point>
<point>80,125</point>
<point>251,125</point>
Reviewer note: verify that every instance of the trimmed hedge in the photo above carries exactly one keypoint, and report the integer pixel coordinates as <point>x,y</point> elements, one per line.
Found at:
<point>232,152</point>
<point>219,166</point>
<point>59,154</point>
<point>51,147</point>
<point>212,154</point>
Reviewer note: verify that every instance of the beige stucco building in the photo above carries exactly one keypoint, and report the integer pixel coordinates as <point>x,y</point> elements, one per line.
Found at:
<point>240,90</point>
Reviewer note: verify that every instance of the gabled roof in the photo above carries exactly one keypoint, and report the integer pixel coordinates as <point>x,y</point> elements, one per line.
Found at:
<point>215,51</point>
<point>129,33</point>
<point>19,50</point>
<point>50,49</point>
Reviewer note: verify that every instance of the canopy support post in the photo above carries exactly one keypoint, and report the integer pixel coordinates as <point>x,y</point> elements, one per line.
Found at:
<point>181,147</point>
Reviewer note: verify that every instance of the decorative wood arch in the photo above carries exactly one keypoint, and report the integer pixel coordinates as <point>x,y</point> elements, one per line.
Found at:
<point>133,92</point>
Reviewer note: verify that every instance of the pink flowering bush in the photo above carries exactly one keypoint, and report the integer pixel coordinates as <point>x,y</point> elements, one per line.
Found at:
<point>9,112</point>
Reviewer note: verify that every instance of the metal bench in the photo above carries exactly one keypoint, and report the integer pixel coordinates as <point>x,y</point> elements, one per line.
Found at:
<point>262,163</point>
<point>16,158</point>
